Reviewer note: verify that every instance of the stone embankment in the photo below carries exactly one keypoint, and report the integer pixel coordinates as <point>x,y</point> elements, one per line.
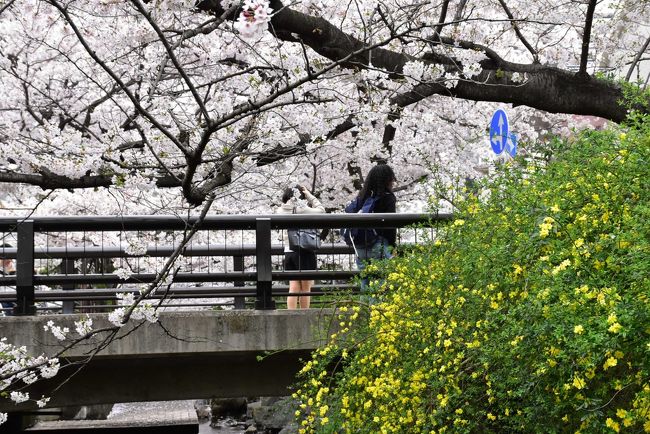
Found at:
<point>254,416</point>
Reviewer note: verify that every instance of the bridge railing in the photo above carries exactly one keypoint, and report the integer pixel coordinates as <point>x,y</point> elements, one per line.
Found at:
<point>93,258</point>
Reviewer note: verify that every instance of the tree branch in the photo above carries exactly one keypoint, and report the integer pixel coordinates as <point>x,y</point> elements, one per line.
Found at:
<point>117,79</point>
<point>636,59</point>
<point>521,37</point>
<point>170,52</point>
<point>441,20</point>
<point>586,37</point>
<point>48,180</point>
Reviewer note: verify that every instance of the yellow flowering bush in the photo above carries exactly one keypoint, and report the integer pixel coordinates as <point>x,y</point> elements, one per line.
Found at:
<point>531,316</point>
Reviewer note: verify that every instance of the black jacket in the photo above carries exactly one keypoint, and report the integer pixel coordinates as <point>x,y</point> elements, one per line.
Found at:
<point>387,204</point>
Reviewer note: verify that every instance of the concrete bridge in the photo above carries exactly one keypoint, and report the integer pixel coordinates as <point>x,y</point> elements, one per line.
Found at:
<point>185,355</point>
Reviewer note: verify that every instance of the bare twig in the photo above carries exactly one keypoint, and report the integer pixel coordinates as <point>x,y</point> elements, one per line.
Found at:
<point>636,59</point>
<point>521,37</point>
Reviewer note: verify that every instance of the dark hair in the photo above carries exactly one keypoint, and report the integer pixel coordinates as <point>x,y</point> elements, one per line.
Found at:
<point>378,181</point>
<point>288,193</point>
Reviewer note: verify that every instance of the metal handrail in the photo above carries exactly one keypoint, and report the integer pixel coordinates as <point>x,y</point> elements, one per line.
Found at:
<point>263,250</point>
<point>278,221</point>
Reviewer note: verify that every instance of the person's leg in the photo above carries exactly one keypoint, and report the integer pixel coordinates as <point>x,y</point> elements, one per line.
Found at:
<point>292,300</point>
<point>362,260</point>
<point>290,264</point>
<point>379,250</point>
<point>305,300</point>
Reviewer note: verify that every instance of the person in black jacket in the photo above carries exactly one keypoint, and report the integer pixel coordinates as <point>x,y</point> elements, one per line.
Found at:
<point>378,185</point>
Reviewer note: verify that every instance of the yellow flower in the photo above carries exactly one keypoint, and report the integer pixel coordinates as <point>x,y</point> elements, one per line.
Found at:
<point>578,329</point>
<point>491,416</point>
<point>545,227</point>
<point>579,242</point>
<point>561,267</point>
<point>578,383</point>
<point>613,425</point>
<point>609,363</point>
<point>615,328</point>
<point>555,208</point>
<point>459,222</point>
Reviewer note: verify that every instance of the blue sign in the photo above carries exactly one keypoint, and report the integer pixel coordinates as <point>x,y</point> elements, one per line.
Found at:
<point>511,145</point>
<point>499,131</point>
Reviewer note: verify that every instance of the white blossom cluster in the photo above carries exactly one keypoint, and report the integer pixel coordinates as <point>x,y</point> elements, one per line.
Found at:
<point>58,331</point>
<point>136,247</point>
<point>122,273</point>
<point>84,325</point>
<point>143,311</point>
<point>17,365</point>
<point>253,18</point>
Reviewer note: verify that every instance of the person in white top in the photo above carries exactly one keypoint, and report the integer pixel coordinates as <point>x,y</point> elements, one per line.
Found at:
<point>300,259</point>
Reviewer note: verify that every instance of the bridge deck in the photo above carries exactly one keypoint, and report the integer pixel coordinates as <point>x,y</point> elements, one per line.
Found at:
<point>186,355</point>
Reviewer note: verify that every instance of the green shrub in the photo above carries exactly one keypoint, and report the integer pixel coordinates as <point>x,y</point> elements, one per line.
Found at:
<point>529,313</point>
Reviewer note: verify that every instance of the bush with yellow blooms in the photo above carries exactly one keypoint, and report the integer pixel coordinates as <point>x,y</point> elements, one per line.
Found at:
<point>529,313</point>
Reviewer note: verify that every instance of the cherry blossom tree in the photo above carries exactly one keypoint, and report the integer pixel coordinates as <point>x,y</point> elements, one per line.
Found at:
<point>171,100</point>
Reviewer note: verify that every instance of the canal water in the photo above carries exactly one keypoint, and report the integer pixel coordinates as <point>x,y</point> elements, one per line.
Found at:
<point>227,426</point>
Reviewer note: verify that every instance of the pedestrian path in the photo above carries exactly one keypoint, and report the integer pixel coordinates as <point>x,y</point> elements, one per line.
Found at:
<point>138,417</point>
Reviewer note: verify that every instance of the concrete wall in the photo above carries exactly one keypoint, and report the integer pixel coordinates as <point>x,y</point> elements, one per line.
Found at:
<point>185,355</point>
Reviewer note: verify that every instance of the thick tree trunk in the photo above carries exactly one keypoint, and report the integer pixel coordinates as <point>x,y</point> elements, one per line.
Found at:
<point>547,88</point>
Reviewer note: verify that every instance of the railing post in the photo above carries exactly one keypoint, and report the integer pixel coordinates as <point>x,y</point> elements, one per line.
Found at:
<point>264,266</point>
<point>238,265</point>
<point>68,266</point>
<point>25,269</point>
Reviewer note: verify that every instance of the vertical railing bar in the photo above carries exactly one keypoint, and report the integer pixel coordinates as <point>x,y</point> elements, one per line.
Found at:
<point>68,265</point>
<point>120,249</point>
<point>264,300</point>
<point>238,265</point>
<point>25,269</point>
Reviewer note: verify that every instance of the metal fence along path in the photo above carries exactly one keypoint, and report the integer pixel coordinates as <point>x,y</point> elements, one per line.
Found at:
<point>81,263</point>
